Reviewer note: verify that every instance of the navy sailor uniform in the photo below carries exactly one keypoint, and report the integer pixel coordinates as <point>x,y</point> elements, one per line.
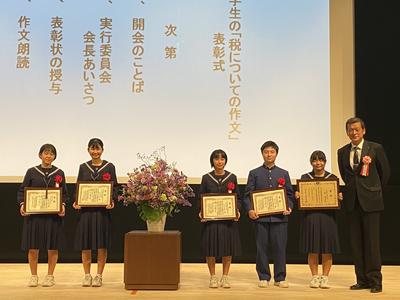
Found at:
<point>220,238</point>
<point>42,231</point>
<point>94,223</point>
<point>318,228</point>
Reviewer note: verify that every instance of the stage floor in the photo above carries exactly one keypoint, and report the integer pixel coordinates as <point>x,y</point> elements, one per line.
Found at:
<point>194,284</point>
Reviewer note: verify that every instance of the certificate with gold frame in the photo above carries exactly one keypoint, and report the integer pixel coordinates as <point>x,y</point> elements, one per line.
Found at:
<point>270,201</point>
<point>318,193</point>
<point>94,193</point>
<point>219,206</point>
<point>42,200</point>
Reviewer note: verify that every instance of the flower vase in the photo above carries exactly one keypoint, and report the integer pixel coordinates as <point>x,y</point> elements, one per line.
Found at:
<point>156,226</point>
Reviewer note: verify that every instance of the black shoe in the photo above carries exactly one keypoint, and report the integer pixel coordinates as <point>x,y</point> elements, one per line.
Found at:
<point>376,289</point>
<point>359,286</point>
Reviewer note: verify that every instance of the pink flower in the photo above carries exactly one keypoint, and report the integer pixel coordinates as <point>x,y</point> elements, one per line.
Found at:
<point>106,176</point>
<point>281,182</point>
<point>58,179</point>
<point>230,186</point>
<point>366,160</point>
<point>365,167</point>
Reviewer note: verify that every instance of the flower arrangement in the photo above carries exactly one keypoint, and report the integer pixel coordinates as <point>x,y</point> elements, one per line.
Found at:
<point>156,187</point>
<point>281,182</point>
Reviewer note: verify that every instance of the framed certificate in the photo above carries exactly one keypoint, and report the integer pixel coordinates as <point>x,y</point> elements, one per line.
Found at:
<point>42,201</point>
<point>271,201</point>
<point>219,206</point>
<point>94,193</point>
<point>318,193</point>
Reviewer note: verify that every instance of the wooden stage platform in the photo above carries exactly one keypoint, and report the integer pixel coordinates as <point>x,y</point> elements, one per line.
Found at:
<point>193,284</point>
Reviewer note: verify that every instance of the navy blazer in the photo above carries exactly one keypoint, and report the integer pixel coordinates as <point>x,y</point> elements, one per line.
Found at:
<point>368,189</point>
<point>263,178</point>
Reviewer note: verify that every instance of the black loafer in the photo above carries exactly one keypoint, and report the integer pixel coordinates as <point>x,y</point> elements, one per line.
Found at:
<point>376,289</point>
<point>359,286</point>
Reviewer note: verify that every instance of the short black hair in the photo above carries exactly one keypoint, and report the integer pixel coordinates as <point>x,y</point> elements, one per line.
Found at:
<point>216,154</point>
<point>354,120</point>
<point>50,148</point>
<point>270,144</point>
<point>317,155</point>
<point>95,143</point>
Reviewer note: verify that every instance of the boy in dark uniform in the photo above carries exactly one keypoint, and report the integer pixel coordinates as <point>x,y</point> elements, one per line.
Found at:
<point>271,231</point>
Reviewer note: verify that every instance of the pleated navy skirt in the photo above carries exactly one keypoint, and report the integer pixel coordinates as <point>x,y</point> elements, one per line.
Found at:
<point>318,233</point>
<point>94,229</point>
<point>43,232</point>
<point>221,238</point>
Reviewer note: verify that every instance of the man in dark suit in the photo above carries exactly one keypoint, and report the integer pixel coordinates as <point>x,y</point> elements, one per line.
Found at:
<point>364,169</point>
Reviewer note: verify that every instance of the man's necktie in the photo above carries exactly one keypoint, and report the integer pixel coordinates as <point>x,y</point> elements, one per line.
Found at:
<point>356,158</point>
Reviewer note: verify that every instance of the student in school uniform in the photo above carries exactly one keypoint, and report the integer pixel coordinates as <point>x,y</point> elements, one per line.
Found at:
<point>43,231</point>
<point>270,231</point>
<point>94,224</point>
<point>318,229</point>
<point>220,239</point>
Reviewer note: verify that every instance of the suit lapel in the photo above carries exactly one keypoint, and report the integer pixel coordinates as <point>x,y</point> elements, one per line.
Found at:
<point>346,157</point>
<point>365,149</point>
<point>364,152</point>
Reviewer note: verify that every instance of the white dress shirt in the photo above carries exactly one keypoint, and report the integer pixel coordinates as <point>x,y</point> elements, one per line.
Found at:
<point>360,145</point>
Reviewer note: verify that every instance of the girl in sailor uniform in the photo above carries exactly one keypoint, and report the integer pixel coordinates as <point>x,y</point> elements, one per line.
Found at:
<point>318,229</point>
<point>43,231</point>
<point>220,239</point>
<point>94,223</point>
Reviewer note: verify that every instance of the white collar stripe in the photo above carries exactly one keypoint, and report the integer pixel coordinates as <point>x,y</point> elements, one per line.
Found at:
<point>213,178</point>
<point>326,176</point>
<point>87,165</point>
<point>41,172</point>
<point>223,180</point>
<point>90,168</point>
<point>226,177</point>
<point>103,167</point>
